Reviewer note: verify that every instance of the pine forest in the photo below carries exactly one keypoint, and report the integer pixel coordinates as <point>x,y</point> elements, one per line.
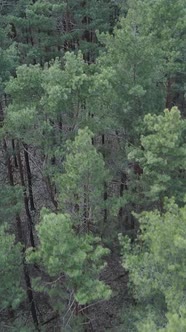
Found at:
<point>93,165</point>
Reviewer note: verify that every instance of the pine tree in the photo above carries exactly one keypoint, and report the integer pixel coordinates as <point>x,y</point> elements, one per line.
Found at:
<point>156,269</point>
<point>167,24</point>
<point>81,185</point>
<point>11,291</point>
<point>162,158</point>
<point>43,30</point>
<point>75,258</point>
<point>68,248</point>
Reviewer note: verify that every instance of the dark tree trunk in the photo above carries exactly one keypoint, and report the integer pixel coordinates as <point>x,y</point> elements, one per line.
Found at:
<point>105,194</point>
<point>60,128</point>
<point>14,153</point>
<point>51,191</point>
<point>8,164</point>
<point>27,210</point>
<point>169,93</point>
<point>29,177</point>
<point>30,296</point>
<point>21,239</point>
<point>123,186</point>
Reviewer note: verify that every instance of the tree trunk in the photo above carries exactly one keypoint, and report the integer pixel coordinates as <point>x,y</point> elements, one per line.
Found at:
<point>51,191</point>
<point>21,239</point>
<point>14,153</point>
<point>30,296</point>
<point>29,177</point>
<point>123,186</point>
<point>105,194</point>
<point>169,93</point>
<point>29,218</point>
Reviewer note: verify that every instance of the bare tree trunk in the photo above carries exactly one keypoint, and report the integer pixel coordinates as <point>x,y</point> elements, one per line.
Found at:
<point>51,191</point>
<point>86,216</point>
<point>30,295</point>
<point>169,93</point>
<point>14,153</point>
<point>105,194</point>
<point>123,186</point>
<point>21,239</point>
<point>29,218</point>
<point>29,177</point>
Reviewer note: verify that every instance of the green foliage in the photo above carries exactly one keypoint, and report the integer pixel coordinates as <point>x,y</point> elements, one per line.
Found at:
<point>81,186</point>
<point>41,98</point>
<point>8,62</point>
<point>44,30</point>
<point>65,89</point>
<point>10,202</point>
<point>81,114</point>
<point>18,325</point>
<point>162,157</point>
<point>156,264</point>
<point>167,24</point>
<point>11,291</point>
<point>22,115</point>
<point>79,257</point>
<point>130,78</point>
<point>176,322</point>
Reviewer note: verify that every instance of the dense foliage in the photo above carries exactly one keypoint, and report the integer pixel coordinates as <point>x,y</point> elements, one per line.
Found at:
<point>92,165</point>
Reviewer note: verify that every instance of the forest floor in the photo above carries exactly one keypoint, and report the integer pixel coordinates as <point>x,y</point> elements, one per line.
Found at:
<point>106,315</point>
